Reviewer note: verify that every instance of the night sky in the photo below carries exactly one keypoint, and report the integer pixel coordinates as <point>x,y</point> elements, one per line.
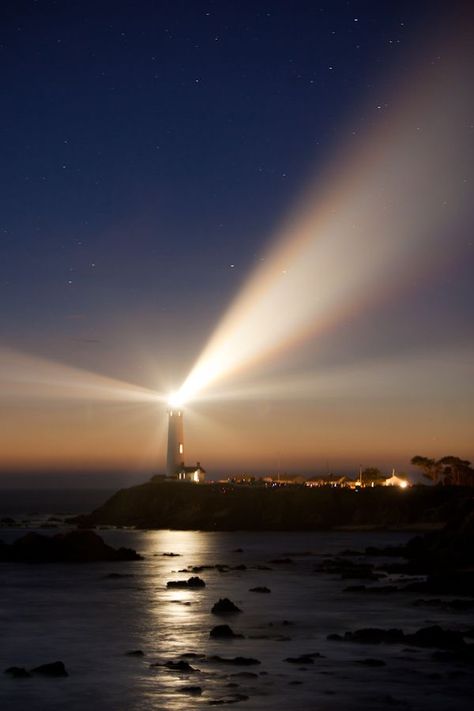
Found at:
<point>150,151</point>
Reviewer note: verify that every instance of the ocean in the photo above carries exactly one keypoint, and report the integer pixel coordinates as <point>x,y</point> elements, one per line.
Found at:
<point>89,616</point>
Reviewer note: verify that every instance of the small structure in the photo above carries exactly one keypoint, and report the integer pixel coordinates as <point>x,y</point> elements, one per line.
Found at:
<point>395,480</point>
<point>195,474</point>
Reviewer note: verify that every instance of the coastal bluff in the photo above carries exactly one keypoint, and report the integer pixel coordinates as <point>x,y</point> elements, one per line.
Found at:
<point>227,507</point>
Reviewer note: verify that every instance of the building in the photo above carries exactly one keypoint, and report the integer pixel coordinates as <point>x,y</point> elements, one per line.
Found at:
<point>175,466</point>
<point>175,455</point>
<point>195,474</point>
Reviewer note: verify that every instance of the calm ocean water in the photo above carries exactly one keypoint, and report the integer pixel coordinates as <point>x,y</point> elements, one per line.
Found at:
<point>88,620</point>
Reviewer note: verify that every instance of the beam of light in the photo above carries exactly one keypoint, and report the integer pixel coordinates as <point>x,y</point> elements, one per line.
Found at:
<point>384,215</point>
<point>448,371</point>
<point>25,377</point>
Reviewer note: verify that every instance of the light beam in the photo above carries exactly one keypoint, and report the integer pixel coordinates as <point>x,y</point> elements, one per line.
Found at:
<point>383,216</point>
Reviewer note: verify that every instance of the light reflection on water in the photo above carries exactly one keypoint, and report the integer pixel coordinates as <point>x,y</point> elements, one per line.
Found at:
<point>89,620</point>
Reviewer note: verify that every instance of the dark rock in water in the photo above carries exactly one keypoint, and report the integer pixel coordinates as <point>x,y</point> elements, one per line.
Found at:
<point>371,662</point>
<point>238,550</point>
<point>193,582</point>
<point>223,632</point>
<point>304,658</point>
<point>260,589</point>
<point>192,690</point>
<point>171,555</point>
<point>7,522</point>
<point>282,561</point>
<point>238,661</point>
<point>135,653</point>
<point>295,682</point>
<point>234,699</point>
<point>242,566</point>
<point>224,606</point>
<point>54,669</point>
<point>180,666</point>
<point>435,636</point>
<point>334,637</point>
<point>72,547</point>
<point>17,673</point>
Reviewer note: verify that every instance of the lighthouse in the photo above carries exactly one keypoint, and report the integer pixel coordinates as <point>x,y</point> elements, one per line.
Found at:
<point>175,457</point>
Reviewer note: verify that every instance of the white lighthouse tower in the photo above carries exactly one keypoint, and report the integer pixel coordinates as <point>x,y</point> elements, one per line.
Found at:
<point>175,457</point>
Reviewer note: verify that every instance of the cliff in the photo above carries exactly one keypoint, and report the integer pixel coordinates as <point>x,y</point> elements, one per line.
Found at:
<point>214,507</point>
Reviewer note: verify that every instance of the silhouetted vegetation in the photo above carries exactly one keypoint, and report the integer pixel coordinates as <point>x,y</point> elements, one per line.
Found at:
<point>450,471</point>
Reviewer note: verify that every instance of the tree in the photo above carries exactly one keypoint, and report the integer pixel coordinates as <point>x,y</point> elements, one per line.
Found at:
<point>451,471</point>
<point>456,471</point>
<point>372,475</point>
<point>430,467</point>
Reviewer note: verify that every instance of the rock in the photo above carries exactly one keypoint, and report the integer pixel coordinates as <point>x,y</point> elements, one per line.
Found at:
<point>260,589</point>
<point>224,606</point>
<point>193,583</point>
<point>17,673</point>
<point>238,550</point>
<point>235,698</point>
<point>281,561</point>
<point>72,547</point>
<point>238,661</point>
<point>53,669</point>
<point>371,662</point>
<point>223,632</point>
<point>435,636</point>
<point>171,555</point>
<point>180,666</point>
<point>192,690</point>
<point>239,567</point>
<point>135,653</point>
<point>303,658</point>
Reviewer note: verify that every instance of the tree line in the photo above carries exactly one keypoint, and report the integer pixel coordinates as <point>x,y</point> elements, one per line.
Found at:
<point>449,471</point>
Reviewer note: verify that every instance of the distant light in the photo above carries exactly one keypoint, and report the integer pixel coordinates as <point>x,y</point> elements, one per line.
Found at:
<point>403,484</point>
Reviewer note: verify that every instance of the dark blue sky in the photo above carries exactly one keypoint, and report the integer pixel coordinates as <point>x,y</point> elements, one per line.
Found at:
<point>148,146</point>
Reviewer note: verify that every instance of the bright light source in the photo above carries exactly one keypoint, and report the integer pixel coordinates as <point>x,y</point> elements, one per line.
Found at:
<point>403,484</point>
<point>175,400</point>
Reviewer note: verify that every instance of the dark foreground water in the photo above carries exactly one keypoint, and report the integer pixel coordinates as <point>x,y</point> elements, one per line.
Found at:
<point>88,620</point>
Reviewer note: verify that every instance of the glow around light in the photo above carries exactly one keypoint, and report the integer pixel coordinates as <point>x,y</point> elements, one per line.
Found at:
<point>176,400</point>
<point>381,217</point>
